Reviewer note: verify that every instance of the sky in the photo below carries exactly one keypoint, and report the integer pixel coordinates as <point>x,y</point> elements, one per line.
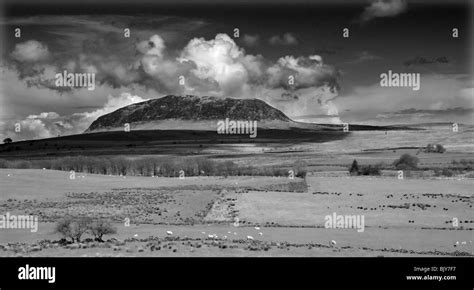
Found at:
<point>337,79</point>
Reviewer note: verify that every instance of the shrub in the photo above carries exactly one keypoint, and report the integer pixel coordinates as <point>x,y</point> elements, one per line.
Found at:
<point>440,148</point>
<point>301,173</point>
<point>72,228</point>
<point>463,164</point>
<point>100,228</point>
<point>64,228</point>
<point>445,172</point>
<point>406,162</point>
<point>430,148</point>
<point>354,170</point>
<point>300,168</point>
<point>370,170</point>
<point>7,140</point>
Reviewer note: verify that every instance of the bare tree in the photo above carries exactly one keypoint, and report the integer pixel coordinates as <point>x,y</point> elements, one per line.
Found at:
<point>100,228</point>
<point>73,228</point>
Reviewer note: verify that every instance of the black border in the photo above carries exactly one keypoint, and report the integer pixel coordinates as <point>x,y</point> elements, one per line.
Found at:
<point>221,273</point>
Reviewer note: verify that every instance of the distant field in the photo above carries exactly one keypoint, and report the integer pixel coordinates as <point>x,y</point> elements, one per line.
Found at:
<point>188,142</point>
<point>156,142</point>
<point>332,151</point>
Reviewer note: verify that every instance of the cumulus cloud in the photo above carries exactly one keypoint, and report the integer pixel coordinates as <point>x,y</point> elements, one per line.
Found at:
<point>285,39</point>
<point>306,72</point>
<point>155,46</point>
<point>112,104</point>
<point>52,124</point>
<point>30,51</point>
<point>94,43</point>
<point>163,71</point>
<point>37,67</point>
<point>221,60</point>
<point>216,66</point>
<point>383,8</point>
<point>43,125</point>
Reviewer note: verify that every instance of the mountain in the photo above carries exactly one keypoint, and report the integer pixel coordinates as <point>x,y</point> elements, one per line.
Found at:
<point>190,112</point>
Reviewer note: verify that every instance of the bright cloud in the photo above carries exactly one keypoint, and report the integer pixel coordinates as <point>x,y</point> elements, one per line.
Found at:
<point>51,124</point>
<point>383,8</point>
<point>30,51</point>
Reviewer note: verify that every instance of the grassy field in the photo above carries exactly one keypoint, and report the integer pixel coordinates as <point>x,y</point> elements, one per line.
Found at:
<point>251,214</point>
<point>289,224</point>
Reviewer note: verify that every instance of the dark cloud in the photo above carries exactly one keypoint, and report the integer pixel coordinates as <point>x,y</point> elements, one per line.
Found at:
<point>287,97</point>
<point>95,44</point>
<point>325,50</point>
<point>285,39</point>
<point>448,111</point>
<point>424,61</point>
<point>251,40</point>
<point>413,115</point>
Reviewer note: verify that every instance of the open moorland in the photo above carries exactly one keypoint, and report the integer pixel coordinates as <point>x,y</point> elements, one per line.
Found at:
<point>250,211</point>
